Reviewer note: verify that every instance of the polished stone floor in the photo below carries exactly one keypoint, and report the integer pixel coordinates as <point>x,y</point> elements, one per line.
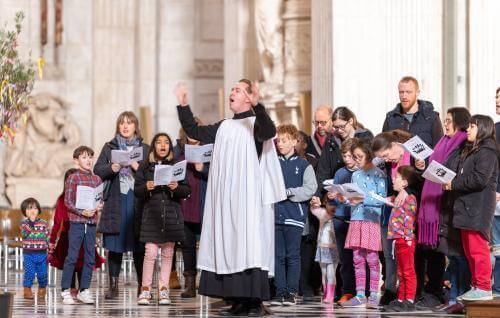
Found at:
<point>126,305</point>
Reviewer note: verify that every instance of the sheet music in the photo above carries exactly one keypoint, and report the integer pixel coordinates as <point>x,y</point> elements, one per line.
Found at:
<point>438,173</point>
<point>418,148</point>
<point>164,174</point>
<point>198,154</point>
<point>88,198</point>
<point>126,157</point>
<point>347,190</point>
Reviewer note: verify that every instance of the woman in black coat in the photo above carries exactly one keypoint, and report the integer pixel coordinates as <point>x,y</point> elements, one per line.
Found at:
<point>117,222</point>
<point>162,223</point>
<point>474,207</point>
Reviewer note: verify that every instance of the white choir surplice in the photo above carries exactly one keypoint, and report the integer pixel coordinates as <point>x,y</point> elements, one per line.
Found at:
<point>238,219</point>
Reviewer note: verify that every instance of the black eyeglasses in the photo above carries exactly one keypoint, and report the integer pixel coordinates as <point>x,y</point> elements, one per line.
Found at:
<point>341,127</point>
<point>320,123</point>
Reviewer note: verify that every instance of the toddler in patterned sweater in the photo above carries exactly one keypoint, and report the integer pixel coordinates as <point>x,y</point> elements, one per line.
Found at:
<point>35,234</point>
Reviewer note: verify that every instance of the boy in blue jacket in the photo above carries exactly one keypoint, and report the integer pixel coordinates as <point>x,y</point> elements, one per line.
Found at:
<point>290,215</point>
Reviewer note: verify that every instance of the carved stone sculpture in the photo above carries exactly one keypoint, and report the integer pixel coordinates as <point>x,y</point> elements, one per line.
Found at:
<point>44,148</point>
<point>269,33</point>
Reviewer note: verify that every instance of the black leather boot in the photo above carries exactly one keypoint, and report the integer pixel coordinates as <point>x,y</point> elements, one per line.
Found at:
<point>189,286</point>
<point>112,292</point>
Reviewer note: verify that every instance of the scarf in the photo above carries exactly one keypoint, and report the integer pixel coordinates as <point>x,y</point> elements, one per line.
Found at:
<point>430,203</point>
<point>123,144</point>
<point>320,139</point>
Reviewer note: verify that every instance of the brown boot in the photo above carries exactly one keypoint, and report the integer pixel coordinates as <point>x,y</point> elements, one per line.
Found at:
<point>42,292</point>
<point>28,293</point>
<point>189,286</point>
<point>174,281</point>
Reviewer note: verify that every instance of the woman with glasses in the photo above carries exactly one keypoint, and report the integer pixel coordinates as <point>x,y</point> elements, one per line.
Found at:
<point>346,126</point>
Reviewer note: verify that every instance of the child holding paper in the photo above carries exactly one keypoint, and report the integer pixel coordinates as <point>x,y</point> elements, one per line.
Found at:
<point>82,229</point>
<point>474,207</point>
<point>401,230</point>
<point>35,233</point>
<point>162,223</point>
<point>58,243</point>
<point>342,216</point>
<point>364,236</point>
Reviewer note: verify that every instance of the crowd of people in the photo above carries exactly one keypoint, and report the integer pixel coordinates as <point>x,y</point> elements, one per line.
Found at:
<point>271,223</point>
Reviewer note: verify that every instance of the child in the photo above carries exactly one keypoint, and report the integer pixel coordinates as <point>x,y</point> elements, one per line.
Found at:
<point>474,208</point>
<point>58,242</point>
<point>327,254</point>
<point>341,224</point>
<point>162,224</point>
<point>401,229</point>
<point>290,215</point>
<point>363,236</point>
<point>82,228</point>
<point>35,233</point>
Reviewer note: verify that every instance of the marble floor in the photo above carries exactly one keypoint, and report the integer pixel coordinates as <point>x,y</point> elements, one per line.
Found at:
<point>126,305</point>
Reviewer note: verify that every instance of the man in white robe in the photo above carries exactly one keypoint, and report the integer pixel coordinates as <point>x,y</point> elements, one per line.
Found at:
<point>237,240</point>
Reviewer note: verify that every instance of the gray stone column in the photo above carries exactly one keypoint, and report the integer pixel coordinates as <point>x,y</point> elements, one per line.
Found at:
<point>322,52</point>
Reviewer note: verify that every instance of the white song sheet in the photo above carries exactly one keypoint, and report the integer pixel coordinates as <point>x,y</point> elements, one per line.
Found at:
<point>126,157</point>
<point>438,173</point>
<point>347,190</point>
<point>87,198</point>
<point>164,174</point>
<point>418,148</point>
<point>199,154</point>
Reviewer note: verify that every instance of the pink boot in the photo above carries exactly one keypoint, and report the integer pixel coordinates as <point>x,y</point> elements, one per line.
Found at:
<point>329,294</point>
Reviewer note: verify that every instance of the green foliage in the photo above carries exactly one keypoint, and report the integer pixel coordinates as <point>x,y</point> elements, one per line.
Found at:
<point>16,80</point>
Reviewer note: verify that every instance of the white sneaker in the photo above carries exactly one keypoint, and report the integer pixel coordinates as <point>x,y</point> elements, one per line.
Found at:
<point>144,297</point>
<point>85,297</point>
<point>67,298</point>
<point>163,298</point>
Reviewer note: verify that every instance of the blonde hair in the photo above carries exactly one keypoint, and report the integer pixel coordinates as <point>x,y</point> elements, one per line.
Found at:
<point>407,79</point>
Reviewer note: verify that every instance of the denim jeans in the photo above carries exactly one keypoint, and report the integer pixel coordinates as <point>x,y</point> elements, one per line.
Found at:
<point>496,245</point>
<point>287,259</point>
<point>460,276</point>
<point>390,262</point>
<point>79,234</point>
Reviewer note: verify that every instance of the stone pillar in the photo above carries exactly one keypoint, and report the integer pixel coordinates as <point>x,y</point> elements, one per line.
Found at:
<point>454,54</point>
<point>322,52</point>
<point>484,53</point>
<point>297,21</point>
<point>240,55</point>
<point>114,40</point>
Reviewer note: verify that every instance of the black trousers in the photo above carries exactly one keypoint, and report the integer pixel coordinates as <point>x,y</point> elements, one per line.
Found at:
<point>310,272</point>
<point>115,264</point>
<point>189,247</point>
<point>432,263</point>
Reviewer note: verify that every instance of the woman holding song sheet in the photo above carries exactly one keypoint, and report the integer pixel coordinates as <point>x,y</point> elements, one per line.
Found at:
<point>435,220</point>
<point>473,210</point>
<point>117,165</point>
